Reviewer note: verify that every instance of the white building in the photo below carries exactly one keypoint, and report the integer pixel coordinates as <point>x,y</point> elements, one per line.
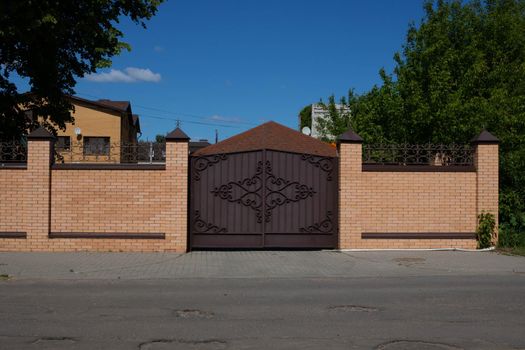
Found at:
<point>320,111</point>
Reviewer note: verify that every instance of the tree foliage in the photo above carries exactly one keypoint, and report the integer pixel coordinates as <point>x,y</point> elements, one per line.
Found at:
<point>336,119</point>
<point>51,44</point>
<point>461,70</point>
<point>305,117</point>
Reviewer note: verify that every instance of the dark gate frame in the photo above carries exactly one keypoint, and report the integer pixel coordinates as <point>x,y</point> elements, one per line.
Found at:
<point>323,234</point>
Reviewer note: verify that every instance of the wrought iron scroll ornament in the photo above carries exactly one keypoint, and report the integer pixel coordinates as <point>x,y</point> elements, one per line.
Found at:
<point>244,192</point>
<point>429,154</point>
<point>13,152</point>
<point>323,163</point>
<point>325,226</point>
<point>202,226</point>
<point>278,191</point>
<point>103,151</point>
<point>202,163</point>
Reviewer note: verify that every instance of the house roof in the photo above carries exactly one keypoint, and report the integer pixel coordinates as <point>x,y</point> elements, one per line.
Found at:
<point>196,145</point>
<point>115,106</point>
<point>270,135</point>
<point>136,122</point>
<point>120,105</point>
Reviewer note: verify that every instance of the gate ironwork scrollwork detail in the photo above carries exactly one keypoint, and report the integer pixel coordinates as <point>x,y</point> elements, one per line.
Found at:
<point>324,163</point>
<point>202,226</point>
<point>202,163</point>
<point>325,226</point>
<point>278,191</point>
<point>244,192</point>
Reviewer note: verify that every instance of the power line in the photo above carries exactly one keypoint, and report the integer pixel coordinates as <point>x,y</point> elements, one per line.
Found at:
<point>189,121</point>
<point>176,114</point>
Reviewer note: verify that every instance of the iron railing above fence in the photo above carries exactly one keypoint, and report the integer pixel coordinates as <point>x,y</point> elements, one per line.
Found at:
<point>100,152</point>
<point>13,152</point>
<point>428,154</point>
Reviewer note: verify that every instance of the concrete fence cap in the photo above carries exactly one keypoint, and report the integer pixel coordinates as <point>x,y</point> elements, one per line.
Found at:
<point>177,135</point>
<point>485,137</point>
<point>350,136</point>
<point>41,134</point>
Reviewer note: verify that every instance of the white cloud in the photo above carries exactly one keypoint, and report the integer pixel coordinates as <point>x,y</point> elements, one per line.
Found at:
<point>140,74</point>
<point>220,118</point>
<point>158,48</point>
<point>129,75</point>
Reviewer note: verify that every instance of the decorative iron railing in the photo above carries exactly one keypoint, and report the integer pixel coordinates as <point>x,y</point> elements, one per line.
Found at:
<point>429,154</point>
<point>82,152</point>
<point>13,152</point>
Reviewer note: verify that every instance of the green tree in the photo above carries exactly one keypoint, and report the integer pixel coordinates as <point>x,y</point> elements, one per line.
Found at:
<point>51,44</point>
<point>460,70</point>
<point>335,121</point>
<point>305,117</point>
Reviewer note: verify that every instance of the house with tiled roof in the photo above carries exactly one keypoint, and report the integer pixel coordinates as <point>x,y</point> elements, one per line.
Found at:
<point>97,125</point>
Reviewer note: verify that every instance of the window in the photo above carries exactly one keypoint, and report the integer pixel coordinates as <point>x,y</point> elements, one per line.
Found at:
<point>96,146</point>
<point>63,143</point>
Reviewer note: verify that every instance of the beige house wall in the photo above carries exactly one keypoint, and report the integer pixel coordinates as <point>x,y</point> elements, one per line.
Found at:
<point>93,122</point>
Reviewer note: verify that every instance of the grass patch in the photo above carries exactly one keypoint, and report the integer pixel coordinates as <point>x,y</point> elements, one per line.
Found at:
<point>512,251</point>
<point>4,277</point>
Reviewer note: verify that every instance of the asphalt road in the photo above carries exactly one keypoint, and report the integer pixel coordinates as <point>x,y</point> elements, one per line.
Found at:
<point>381,312</point>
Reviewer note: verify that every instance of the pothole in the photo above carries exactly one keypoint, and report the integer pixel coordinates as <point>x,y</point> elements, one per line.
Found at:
<point>55,341</point>
<point>352,308</point>
<point>415,345</point>
<point>409,261</point>
<point>165,344</point>
<point>190,313</point>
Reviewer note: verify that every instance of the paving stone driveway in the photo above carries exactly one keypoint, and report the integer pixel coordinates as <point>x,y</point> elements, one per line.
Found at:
<point>255,264</point>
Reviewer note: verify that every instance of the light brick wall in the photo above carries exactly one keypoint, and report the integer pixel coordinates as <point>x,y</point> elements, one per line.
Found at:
<point>39,200</point>
<point>413,202</point>
<point>13,199</point>
<point>487,162</point>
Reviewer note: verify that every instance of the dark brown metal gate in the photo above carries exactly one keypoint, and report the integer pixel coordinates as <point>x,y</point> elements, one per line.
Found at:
<point>263,199</point>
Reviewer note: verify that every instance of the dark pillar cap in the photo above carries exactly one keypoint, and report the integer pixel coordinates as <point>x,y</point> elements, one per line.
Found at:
<point>41,134</point>
<point>349,136</point>
<point>177,135</point>
<point>485,138</point>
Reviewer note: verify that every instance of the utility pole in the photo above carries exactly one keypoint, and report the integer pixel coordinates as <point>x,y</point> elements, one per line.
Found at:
<point>216,135</point>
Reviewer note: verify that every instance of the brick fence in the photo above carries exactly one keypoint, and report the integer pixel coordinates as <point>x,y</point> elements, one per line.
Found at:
<point>414,207</point>
<point>94,207</point>
<point>134,207</point>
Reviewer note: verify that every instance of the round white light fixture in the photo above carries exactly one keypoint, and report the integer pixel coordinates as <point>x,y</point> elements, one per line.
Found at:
<point>78,131</point>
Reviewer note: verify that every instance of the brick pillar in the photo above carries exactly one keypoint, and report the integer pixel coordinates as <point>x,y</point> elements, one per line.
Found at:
<point>177,152</point>
<point>38,203</point>
<point>350,146</point>
<point>486,161</point>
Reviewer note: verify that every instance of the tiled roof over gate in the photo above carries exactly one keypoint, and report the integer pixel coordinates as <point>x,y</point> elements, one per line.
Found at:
<point>270,135</point>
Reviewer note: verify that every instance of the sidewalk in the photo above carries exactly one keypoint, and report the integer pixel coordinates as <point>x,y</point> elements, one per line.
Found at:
<point>256,264</point>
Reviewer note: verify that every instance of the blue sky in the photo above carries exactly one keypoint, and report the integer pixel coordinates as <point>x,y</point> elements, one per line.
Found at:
<point>238,63</point>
